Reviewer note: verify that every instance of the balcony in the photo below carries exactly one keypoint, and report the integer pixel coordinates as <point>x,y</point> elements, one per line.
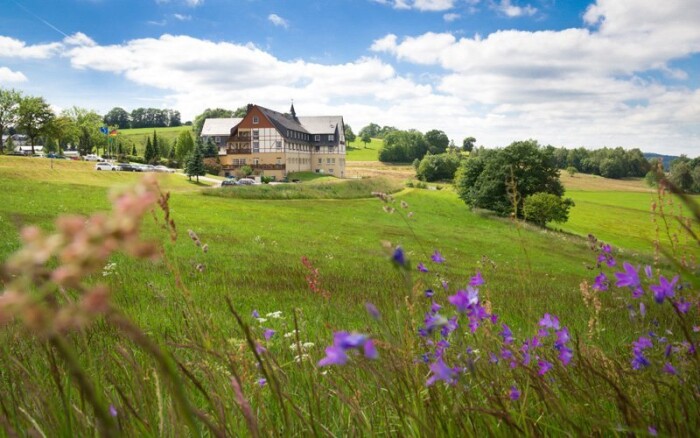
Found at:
<point>255,166</point>
<point>232,151</point>
<point>235,138</point>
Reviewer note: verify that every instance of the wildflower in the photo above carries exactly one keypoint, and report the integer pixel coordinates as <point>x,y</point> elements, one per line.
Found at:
<point>399,257</point>
<point>434,321</point>
<point>429,293</point>
<point>448,328</point>
<point>113,411</point>
<point>563,336</point>
<point>260,349</point>
<point>545,366</point>
<point>652,431</point>
<point>422,268</point>
<point>601,282</point>
<point>507,335</point>
<point>347,340</point>
<point>290,334</point>
<point>647,271</point>
<point>683,306</point>
<point>565,355</point>
<point>334,356</point>
<point>639,361</point>
<point>441,372</point>
<point>669,369</point>
<point>549,321</point>
<point>437,257</point>
<point>629,278</point>
<point>476,280</point>
<point>404,204</point>
<point>445,284</point>
<point>268,334</point>
<point>462,300</point>
<point>262,382</point>
<point>493,358</point>
<point>275,315</point>
<point>435,307</point>
<point>668,350</point>
<point>369,350</point>
<point>514,394</point>
<point>664,289</point>
<point>642,309</point>
<point>373,311</point>
<point>256,314</point>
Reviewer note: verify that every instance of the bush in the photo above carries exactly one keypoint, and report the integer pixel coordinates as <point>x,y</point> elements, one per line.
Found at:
<point>438,167</point>
<point>212,168</point>
<point>541,208</point>
<point>135,159</point>
<point>571,170</point>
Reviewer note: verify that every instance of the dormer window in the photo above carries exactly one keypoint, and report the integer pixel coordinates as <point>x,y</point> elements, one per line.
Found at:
<point>331,137</point>
<point>256,120</point>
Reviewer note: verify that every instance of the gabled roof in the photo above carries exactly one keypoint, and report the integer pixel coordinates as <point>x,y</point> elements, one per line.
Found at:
<point>219,127</point>
<point>283,122</point>
<point>321,124</point>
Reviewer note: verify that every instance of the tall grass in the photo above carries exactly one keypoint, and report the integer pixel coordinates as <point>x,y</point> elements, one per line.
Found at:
<point>454,361</point>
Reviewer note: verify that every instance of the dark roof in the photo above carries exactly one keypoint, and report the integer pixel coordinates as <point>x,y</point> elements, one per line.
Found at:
<point>283,122</point>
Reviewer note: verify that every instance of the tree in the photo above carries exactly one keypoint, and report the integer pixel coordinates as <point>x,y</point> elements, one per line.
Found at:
<point>349,135</point>
<point>211,149</point>
<point>438,167</point>
<point>468,144</point>
<point>437,141</point>
<point>681,174</point>
<point>571,170</point>
<point>184,146</point>
<point>541,208</point>
<point>241,111</point>
<point>148,153</point>
<point>9,110</point>
<point>366,139</point>
<point>195,164</point>
<point>501,179</point>
<point>34,117</point>
<point>174,118</point>
<point>372,130</point>
<point>210,113</point>
<point>86,132</point>
<point>246,170</point>
<point>117,117</point>
<point>403,147</point>
<point>134,152</point>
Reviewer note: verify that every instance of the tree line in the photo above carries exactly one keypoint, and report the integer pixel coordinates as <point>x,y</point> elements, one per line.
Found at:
<point>142,118</point>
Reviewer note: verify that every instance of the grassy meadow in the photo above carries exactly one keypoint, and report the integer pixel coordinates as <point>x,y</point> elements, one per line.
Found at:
<point>358,151</point>
<point>316,252</point>
<point>137,136</point>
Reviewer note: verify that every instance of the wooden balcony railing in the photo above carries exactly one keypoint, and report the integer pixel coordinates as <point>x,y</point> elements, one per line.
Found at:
<point>232,151</point>
<point>255,166</point>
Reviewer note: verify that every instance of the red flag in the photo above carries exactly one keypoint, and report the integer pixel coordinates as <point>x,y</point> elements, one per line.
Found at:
<point>113,133</point>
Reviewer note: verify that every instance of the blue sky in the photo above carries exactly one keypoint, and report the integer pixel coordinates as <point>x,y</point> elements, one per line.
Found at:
<point>570,73</point>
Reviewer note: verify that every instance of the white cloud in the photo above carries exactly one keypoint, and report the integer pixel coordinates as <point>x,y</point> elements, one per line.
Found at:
<point>450,17</point>
<point>182,17</point>
<point>278,21</point>
<point>421,5</point>
<point>79,39</point>
<point>13,48</point>
<point>510,10</point>
<point>194,3</point>
<point>9,76</point>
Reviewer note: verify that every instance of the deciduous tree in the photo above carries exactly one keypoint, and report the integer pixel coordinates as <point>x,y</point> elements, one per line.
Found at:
<point>9,111</point>
<point>34,117</point>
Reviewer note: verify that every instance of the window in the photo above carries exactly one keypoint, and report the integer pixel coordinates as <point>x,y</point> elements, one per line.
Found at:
<point>256,133</point>
<point>256,120</point>
<point>317,137</point>
<point>256,146</point>
<point>256,161</point>
<point>217,140</point>
<point>328,161</point>
<point>331,137</point>
<point>278,144</point>
<point>279,160</point>
<point>320,161</point>
<point>318,148</point>
<point>333,160</point>
<point>330,170</point>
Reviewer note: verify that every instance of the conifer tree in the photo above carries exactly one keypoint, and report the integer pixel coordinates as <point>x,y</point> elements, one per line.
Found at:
<point>195,164</point>
<point>133,150</point>
<point>148,153</point>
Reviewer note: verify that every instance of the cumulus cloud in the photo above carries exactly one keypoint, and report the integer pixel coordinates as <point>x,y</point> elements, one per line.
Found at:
<point>450,17</point>
<point>13,48</point>
<point>421,5</point>
<point>9,76</point>
<point>182,17</point>
<point>278,21</point>
<point>507,8</point>
<point>79,39</point>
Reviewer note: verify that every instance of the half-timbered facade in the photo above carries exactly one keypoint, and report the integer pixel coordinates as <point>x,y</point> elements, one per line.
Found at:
<point>275,144</point>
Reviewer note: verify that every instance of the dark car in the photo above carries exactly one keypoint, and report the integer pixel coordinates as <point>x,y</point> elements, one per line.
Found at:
<point>228,182</point>
<point>126,167</point>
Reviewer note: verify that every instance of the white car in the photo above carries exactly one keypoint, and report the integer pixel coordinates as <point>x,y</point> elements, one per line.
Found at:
<point>92,157</point>
<point>164,169</point>
<point>105,166</point>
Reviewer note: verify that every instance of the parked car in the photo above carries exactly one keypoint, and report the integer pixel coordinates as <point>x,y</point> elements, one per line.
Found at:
<point>105,166</point>
<point>246,182</point>
<point>55,156</point>
<point>128,167</point>
<point>228,182</point>
<point>92,157</point>
<point>164,169</point>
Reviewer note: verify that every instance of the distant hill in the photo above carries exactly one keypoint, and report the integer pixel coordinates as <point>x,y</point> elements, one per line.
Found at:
<point>665,158</point>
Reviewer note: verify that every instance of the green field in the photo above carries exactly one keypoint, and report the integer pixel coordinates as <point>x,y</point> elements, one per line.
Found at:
<point>254,259</point>
<point>138,136</point>
<point>358,151</point>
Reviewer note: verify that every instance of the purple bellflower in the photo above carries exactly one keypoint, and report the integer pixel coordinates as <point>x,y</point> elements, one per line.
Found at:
<point>664,289</point>
<point>437,257</point>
